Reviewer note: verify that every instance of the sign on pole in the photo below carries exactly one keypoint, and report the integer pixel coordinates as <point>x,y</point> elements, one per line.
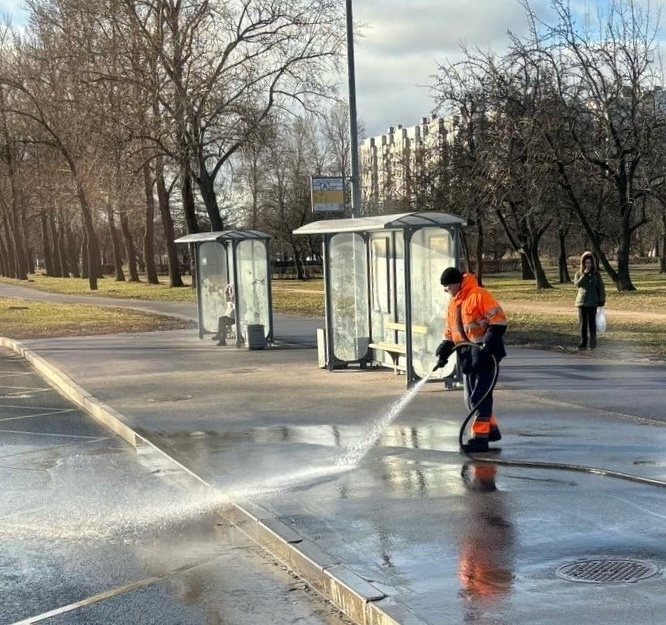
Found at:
<point>328,194</point>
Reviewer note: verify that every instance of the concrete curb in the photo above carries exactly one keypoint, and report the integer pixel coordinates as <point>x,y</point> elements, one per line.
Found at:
<point>357,598</point>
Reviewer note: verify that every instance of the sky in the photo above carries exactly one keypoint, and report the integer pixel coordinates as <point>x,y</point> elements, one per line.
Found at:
<point>399,47</point>
<point>12,9</point>
<point>402,42</point>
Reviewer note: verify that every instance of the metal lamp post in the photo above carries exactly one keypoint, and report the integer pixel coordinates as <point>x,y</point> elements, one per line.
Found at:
<point>355,180</point>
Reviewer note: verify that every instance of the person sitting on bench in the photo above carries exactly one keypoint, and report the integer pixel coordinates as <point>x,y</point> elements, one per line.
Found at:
<point>228,319</point>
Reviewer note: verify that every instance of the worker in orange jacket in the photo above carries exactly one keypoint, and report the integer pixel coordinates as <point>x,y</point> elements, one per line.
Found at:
<point>474,316</point>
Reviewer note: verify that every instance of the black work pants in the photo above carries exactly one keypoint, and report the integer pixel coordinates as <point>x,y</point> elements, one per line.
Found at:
<point>476,385</point>
<point>587,317</point>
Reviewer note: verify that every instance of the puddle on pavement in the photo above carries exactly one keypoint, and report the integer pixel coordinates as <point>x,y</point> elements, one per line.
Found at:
<point>95,496</point>
<point>436,435</point>
<point>98,495</point>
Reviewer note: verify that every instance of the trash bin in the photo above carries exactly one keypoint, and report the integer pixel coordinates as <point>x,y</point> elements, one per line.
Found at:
<point>256,337</point>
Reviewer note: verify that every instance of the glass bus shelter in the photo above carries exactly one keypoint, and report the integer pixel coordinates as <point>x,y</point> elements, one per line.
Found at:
<point>384,303</point>
<point>233,264</point>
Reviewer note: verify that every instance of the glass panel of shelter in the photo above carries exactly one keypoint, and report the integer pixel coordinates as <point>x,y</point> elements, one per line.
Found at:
<point>381,291</point>
<point>399,286</point>
<point>213,280</point>
<point>348,283</point>
<point>432,250</point>
<point>252,276</point>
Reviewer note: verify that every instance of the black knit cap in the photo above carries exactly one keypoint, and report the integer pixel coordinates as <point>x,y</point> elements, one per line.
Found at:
<point>451,276</point>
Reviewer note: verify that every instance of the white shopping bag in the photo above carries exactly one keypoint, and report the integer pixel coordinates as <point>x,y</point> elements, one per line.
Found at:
<point>601,320</point>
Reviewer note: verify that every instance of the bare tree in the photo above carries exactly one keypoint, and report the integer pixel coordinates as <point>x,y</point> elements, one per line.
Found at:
<point>458,165</point>
<point>45,92</point>
<point>224,66</point>
<point>606,83</point>
<point>496,154</point>
<point>286,202</point>
<point>12,201</point>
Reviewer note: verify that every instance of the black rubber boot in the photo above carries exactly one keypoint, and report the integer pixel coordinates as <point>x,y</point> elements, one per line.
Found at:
<point>494,435</point>
<point>476,446</point>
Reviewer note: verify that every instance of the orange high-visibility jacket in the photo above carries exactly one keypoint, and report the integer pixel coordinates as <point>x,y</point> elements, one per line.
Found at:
<point>479,309</point>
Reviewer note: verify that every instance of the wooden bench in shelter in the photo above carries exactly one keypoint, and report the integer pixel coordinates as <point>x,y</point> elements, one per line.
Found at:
<point>395,350</point>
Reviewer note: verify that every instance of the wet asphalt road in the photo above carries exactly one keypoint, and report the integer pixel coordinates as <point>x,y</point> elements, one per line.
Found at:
<point>95,532</point>
<point>268,428</point>
<point>434,546</point>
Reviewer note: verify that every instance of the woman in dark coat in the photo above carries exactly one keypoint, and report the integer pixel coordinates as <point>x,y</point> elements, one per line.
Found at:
<point>591,295</point>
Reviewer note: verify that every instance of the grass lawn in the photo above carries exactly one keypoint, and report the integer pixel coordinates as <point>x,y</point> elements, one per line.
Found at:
<point>544,319</point>
<point>27,319</point>
<point>108,287</point>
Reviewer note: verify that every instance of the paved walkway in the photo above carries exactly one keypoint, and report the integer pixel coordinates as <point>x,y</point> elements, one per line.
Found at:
<point>382,514</point>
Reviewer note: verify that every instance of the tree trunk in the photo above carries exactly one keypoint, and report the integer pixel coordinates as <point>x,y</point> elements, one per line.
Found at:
<point>539,273</point>
<point>62,248</point>
<point>17,237</point>
<point>4,260</point>
<point>562,265</point>
<point>31,260</point>
<point>623,276</point>
<point>17,248</point>
<point>175,279</point>
<point>85,269</point>
<point>129,248</point>
<point>29,256</point>
<point>525,269</point>
<point>149,233</point>
<point>9,251</point>
<point>46,245</point>
<point>298,263</point>
<point>72,253</point>
<point>188,201</point>
<point>479,253</point>
<point>57,260</point>
<point>91,236</point>
<point>115,243</point>
<point>464,244</point>
<point>207,189</point>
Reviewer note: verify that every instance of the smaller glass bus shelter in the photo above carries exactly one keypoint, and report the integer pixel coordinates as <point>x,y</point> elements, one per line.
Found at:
<point>383,299</point>
<point>233,264</point>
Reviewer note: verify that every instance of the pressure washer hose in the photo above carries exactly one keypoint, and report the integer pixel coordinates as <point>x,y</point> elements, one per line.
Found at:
<point>533,463</point>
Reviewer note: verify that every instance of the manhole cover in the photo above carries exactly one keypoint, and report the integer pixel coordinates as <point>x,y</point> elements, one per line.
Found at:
<point>606,570</point>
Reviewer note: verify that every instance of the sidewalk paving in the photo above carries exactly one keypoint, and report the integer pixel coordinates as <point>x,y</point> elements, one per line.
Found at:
<point>400,537</point>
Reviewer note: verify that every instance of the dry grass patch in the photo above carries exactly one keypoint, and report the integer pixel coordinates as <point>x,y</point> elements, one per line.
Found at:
<point>23,319</point>
<point>108,287</point>
<point>290,301</point>
<point>545,319</point>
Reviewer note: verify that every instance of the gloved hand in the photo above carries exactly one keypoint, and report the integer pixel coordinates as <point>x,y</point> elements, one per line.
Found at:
<point>493,343</point>
<point>443,351</point>
<point>482,358</point>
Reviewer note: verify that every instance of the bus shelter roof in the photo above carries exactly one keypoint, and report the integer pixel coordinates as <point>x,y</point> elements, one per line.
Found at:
<point>381,222</point>
<point>226,235</point>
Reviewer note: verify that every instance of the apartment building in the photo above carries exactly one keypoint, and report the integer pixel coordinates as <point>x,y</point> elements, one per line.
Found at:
<point>394,164</point>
